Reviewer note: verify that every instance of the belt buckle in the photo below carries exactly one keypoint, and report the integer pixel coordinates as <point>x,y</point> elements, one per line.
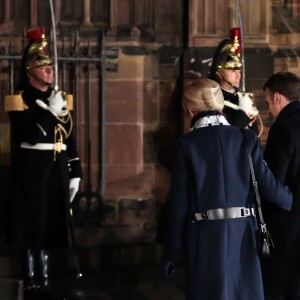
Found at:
<point>205,215</point>
<point>246,212</point>
<point>58,147</point>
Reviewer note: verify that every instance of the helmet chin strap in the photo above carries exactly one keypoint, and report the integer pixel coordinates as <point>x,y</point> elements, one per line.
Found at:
<point>38,79</point>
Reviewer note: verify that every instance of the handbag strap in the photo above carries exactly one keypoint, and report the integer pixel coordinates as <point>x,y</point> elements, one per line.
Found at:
<point>254,182</point>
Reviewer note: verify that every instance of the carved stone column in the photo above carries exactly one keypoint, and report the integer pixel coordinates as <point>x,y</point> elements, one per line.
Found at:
<point>149,11</point>
<point>143,16</point>
<point>6,11</point>
<point>144,13</point>
<point>211,20</point>
<point>33,13</point>
<point>112,17</point>
<point>86,23</point>
<point>57,11</point>
<point>7,23</point>
<point>132,14</point>
<point>120,15</point>
<point>294,7</point>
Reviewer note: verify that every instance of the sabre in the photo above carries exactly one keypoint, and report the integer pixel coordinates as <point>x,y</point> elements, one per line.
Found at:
<point>71,225</point>
<point>78,272</point>
<point>243,85</point>
<point>54,45</point>
<point>242,45</point>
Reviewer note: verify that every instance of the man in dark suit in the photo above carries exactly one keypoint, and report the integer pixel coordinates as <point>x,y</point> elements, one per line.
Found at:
<point>282,154</point>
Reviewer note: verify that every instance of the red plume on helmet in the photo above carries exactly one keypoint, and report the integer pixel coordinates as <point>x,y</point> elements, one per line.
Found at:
<point>235,36</point>
<point>35,34</point>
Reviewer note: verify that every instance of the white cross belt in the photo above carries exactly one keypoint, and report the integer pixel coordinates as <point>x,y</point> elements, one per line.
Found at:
<point>45,146</point>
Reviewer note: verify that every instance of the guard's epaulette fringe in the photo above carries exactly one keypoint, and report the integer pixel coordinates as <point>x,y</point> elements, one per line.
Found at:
<point>14,103</point>
<point>69,98</point>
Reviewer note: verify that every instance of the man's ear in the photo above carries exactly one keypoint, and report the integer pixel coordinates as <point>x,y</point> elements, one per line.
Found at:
<point>28,73</point>
<point>277,98</point>
<point>219,75</point>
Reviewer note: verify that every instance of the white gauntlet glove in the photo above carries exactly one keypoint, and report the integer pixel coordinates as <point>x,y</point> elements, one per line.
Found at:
<point>247,105</point>
<point>74,187</point>
<point>57,104</point>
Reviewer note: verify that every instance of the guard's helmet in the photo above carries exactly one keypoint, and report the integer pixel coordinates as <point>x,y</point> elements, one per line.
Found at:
<point>36,53</point>
<point>227,54</point>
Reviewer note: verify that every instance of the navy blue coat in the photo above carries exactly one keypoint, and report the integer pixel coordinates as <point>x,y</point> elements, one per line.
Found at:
<point>211,170</point>
<point>282,153</point>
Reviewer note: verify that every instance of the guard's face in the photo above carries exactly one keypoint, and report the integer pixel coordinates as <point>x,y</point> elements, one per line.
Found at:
<point>41,77</point>
<point>231,76</point>
<point>44,73</point>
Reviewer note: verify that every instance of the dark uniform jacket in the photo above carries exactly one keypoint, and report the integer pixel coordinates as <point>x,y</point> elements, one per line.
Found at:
<point>40,178</point>
<point>211,171</point>
<point>282,154</point>
<point>237,117</point>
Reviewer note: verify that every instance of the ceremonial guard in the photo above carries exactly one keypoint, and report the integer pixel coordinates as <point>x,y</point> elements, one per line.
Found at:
<point>226,67</point>
<point>46,169</point>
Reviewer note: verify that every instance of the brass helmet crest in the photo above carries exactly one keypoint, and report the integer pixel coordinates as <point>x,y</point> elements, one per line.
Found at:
<point>229,55</point>
<point>36,55</point>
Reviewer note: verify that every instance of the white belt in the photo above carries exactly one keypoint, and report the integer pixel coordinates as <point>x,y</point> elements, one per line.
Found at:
<point>224,213</point>
<point>45,146</point>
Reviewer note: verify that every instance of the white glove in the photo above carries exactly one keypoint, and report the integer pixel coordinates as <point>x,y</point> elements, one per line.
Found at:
<point>246,104</point>
<point>57,104</point>
<point>74,187</point>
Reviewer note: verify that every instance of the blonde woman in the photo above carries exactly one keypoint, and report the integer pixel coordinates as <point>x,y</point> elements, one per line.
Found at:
<point>211,215</point>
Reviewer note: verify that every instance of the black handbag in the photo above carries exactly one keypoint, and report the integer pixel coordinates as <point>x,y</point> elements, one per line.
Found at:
<point>264,240</point>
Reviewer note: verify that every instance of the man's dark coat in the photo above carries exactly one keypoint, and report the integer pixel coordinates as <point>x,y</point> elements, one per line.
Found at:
<point>282,154</point>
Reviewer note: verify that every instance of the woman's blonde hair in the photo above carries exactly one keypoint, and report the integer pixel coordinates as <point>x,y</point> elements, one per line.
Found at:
<point>203,95</point>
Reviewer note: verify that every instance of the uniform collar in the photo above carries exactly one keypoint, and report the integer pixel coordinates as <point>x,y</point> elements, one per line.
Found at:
<point>230,96</point>
<point>38,94</point>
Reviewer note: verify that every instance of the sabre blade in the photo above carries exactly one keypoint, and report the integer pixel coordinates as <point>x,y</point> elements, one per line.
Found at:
<point>54,45</point>
<point>242,45</point>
